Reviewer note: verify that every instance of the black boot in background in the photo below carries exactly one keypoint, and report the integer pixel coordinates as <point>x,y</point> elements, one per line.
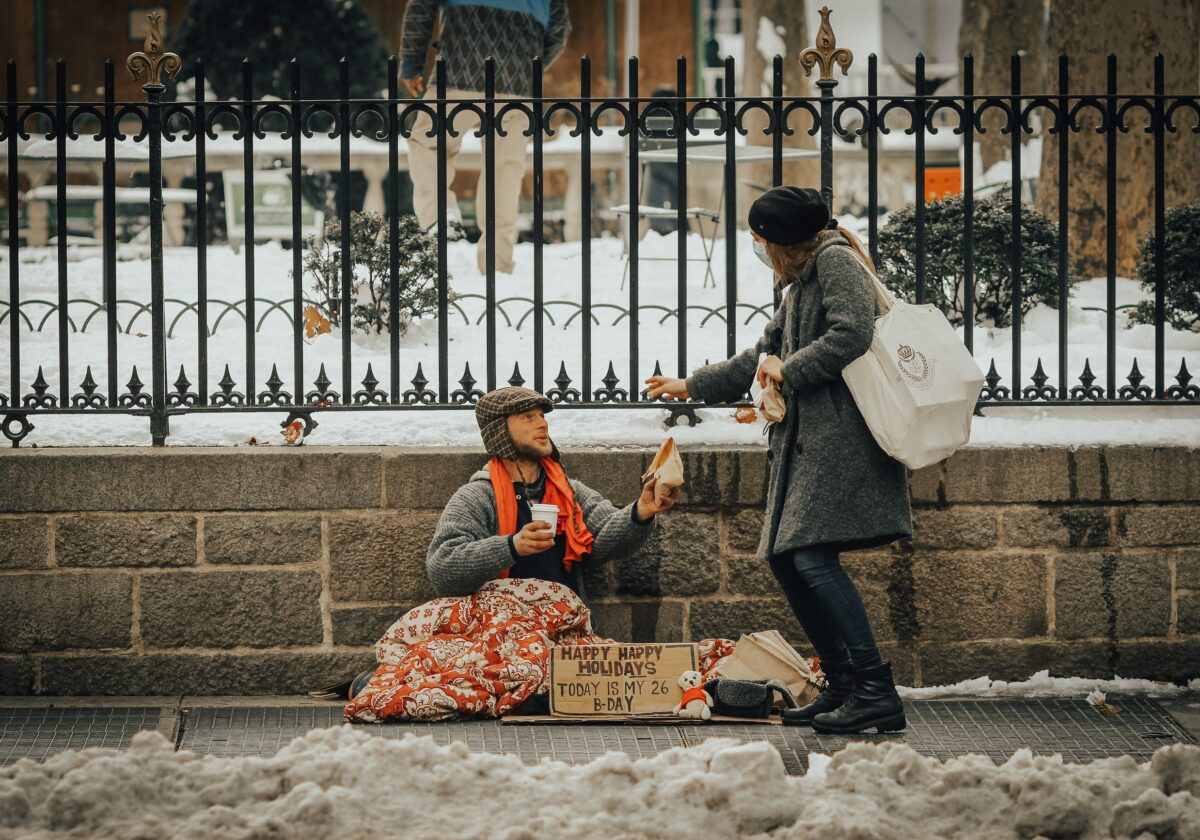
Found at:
<point>873,704</point>
<point>839,682</point>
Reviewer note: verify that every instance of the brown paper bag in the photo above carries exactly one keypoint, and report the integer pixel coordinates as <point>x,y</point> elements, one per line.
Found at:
<point>767,656</point>
<point>773,406</point>
<point>668,466</point>
<point>768,398</point>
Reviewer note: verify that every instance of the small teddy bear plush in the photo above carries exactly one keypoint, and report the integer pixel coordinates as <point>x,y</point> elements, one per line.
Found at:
<point>696,701</point>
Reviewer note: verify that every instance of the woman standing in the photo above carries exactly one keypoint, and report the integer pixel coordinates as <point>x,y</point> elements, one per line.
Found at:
<point>830,487</point>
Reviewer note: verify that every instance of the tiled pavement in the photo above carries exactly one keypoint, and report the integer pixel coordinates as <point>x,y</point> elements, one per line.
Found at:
<point>32,728</point>
<point>38,733</point>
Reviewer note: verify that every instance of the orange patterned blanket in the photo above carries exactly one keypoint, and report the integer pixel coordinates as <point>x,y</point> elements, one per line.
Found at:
<point>480,655</point>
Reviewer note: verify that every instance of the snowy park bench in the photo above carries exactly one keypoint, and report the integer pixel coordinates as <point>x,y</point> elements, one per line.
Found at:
<point>39,200</point>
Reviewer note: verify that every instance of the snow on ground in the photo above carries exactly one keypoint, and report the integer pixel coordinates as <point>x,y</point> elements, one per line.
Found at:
<point>342,782</point>
<point>1080,426</point>
<point>1042,684</point>
<point>604,428</point>
<point>657,337</point>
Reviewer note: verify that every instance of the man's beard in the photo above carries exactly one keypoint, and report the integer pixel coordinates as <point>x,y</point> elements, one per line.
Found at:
<point>533,452</point>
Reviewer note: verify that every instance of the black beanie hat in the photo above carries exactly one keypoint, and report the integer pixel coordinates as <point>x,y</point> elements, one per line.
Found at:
<point>789,215</point>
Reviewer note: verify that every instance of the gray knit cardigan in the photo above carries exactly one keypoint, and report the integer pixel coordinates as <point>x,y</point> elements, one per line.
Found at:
<point>466,552</point>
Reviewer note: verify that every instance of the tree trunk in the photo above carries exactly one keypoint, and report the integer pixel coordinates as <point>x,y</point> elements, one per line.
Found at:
<point>1135,33</point>
<point>766,24</point>
<point>992,31</point>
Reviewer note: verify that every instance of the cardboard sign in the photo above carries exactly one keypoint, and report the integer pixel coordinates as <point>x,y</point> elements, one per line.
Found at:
<point>617,680</point>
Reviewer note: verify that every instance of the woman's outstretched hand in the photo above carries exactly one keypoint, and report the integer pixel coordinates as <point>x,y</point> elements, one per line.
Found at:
<point>771,367</point>
<point>672,389</point>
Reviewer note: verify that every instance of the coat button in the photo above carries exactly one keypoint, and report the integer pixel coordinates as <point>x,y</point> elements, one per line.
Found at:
<point>799,449</point>
<point>770,455</point>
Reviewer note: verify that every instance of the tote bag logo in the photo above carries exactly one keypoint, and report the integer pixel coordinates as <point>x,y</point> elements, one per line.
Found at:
<point>917,369</point>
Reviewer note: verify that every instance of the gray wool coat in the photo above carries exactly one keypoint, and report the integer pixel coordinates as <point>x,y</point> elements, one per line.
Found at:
<point>829,483</point>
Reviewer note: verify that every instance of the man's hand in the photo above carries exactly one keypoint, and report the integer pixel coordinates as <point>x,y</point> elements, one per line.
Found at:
<point>647,506</point>
<point>415,87</point>
<point>535,537</point>
<point>771,367</point>
<point>672,389</point>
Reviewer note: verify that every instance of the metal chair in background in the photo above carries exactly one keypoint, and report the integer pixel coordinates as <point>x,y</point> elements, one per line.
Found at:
<point>658,178</point>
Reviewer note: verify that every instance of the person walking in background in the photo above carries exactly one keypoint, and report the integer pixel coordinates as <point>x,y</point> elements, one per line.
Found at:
<point>830,487</point>
<point>513,33</point>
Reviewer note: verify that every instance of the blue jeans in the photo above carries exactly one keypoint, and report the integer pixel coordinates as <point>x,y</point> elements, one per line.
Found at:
<point>827,605</point>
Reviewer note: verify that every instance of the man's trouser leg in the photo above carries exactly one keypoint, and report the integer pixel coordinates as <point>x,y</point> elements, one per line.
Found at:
<point>510,173</point>
<point>422,159</point>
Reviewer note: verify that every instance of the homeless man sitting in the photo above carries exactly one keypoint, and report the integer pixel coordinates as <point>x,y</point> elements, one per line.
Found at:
<point>487,530</point>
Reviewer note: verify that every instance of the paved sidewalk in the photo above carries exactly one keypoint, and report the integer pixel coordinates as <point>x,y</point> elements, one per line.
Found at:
<point>38,727</point>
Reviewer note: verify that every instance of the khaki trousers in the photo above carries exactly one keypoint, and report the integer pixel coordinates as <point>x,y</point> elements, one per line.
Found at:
<point>510,173</point>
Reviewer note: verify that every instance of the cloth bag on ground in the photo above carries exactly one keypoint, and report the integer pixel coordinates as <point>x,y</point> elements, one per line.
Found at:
<point>917,385</point>
<point>747,698</point>
<point>768,656</point>
<point>767,399</point>
<point>668,467</point>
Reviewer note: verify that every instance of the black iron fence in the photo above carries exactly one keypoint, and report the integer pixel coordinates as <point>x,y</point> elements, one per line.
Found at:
<point>116,386</point>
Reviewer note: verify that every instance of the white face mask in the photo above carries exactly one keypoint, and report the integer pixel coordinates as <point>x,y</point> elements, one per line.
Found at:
<point>760,251</point>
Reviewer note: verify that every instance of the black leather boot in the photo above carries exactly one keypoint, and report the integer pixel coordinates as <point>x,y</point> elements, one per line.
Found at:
<point>839,682</point>
<point>873,704</point>
<point>359,683</point>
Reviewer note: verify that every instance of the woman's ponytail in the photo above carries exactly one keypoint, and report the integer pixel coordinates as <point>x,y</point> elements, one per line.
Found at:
<point>789,261</point>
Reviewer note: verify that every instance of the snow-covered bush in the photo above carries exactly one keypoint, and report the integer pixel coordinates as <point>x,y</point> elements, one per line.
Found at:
<point>1181,269</point>
<point>992,248</point>
<point>370,264</point>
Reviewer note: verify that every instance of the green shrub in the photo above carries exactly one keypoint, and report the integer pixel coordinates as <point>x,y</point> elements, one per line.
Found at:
<point>1181,270</point>
<point>992,248</point>
<point>370,266</point>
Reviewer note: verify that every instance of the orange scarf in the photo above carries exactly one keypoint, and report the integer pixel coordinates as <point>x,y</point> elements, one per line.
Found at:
<point>558,492</point>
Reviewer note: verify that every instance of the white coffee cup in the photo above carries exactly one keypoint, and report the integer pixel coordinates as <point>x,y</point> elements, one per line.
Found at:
<point>547,514</point>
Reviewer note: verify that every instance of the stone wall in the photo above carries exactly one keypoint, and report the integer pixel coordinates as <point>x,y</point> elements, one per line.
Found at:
<point>209,571</point>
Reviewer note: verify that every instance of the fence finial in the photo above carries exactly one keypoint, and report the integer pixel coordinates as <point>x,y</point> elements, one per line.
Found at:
<point>153,60</point>
<point>827,52</point>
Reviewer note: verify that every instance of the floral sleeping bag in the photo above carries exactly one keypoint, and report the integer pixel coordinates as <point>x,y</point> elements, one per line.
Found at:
<point>480,655</point>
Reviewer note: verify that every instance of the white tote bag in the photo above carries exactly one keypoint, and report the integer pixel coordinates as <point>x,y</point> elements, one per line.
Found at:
<point>917,385</point>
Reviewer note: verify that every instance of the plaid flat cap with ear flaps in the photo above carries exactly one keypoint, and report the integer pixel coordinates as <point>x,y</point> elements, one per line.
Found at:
<point>492,412</point>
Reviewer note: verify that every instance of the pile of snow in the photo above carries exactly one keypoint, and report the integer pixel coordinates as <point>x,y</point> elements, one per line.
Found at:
<point>343,782</point>
<point>1042,684</point>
